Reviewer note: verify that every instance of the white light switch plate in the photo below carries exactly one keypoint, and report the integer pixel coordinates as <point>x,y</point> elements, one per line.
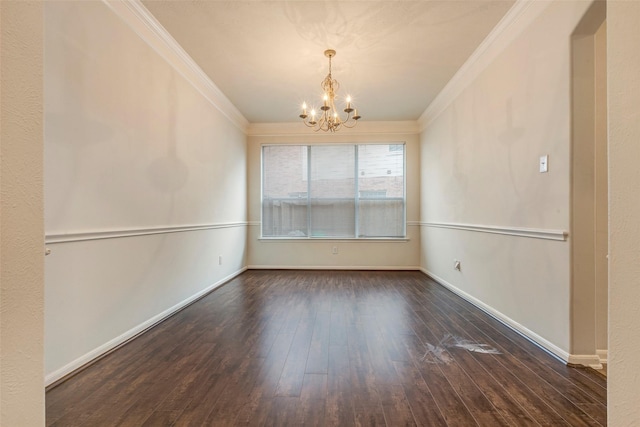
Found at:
<point>544,163</point>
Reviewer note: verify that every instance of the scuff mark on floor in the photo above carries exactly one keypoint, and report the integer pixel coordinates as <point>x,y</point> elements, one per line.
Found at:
<point>439,354</point>
<point>436,354</point>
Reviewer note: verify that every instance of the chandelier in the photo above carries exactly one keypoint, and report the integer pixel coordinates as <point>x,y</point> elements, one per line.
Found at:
<point>329,118</point>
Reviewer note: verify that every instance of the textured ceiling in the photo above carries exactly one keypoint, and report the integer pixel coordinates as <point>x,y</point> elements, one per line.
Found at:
<point>393,57</point>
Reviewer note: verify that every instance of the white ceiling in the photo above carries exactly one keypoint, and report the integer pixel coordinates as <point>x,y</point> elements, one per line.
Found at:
<point>393,57</point>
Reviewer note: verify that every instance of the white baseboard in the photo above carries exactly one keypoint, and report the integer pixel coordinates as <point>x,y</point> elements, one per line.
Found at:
<point>581,359</point>
<point>333,267</point>
<point>590,360</point>
<point>603,355</point>
<point>132,333</point>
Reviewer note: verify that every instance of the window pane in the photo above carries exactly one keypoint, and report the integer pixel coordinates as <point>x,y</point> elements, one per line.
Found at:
<point>381,190</point>
<point>332,191</point>
<point>284,191</point>
<point>322,191</point>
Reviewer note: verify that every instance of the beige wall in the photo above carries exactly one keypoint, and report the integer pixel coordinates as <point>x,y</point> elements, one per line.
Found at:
<point>318,253</point>
<point>601,192</point>
<point>132,148</point>
<point>480,168</point>
<point>623,63</point>
<point>21,215</point>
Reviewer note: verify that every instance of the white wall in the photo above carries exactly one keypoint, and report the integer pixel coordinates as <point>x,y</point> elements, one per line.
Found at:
<point>480,168</point>
<point>318,253</point>
<point>623,63</point>
<point>21,213</point>
<point>135,158</point>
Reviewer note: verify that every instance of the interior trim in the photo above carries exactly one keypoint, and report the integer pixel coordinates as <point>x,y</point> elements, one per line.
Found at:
<point>86,360</point>
<point>364,128</point>
<point>335,239</point>
<point>409,223</point>
<point>535,233</point>
<point>603,355</point>
<point>508,29</point>
<point>131,232</point>
<point>334,267</point>
<point>590,360</point>
<point>143,23</point>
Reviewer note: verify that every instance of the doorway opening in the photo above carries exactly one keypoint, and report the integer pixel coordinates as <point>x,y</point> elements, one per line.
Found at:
<point>589,190</point>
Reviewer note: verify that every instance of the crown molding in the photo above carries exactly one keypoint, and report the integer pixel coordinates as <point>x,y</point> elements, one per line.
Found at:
<point>143,23</point>
<point>363,128</point>
<point>521,14</point>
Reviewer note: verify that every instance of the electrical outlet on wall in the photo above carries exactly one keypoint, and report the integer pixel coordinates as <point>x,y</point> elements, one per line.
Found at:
<point>334,250</point>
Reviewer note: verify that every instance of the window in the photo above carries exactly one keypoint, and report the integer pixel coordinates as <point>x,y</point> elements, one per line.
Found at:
<point>333,191</point>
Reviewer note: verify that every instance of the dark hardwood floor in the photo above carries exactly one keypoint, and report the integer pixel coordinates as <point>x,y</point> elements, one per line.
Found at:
<point>329,348</point>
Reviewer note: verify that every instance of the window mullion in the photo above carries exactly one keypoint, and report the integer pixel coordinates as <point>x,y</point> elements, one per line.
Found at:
<point>404,189</point>
<point>308,191</point>
<point>357,195</point>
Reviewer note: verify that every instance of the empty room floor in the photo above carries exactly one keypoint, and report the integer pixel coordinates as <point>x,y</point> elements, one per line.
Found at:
<point>333,348</point>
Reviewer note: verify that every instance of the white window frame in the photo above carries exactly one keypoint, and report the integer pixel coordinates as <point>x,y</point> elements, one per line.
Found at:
<point>310,238</point>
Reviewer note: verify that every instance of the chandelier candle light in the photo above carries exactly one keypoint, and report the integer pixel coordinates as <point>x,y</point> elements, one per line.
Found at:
<point>330,120</point>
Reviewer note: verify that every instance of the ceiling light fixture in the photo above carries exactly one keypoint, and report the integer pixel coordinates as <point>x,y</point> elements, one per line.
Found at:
<point>329,119</point>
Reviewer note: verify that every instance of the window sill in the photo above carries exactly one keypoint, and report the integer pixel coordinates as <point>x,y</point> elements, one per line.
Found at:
<point>334,239</point>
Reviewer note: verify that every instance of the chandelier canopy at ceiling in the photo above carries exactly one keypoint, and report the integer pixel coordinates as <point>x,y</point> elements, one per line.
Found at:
<point>329,119</point>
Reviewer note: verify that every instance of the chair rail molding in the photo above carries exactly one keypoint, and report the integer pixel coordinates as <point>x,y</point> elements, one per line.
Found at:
<point>79,236</point>
<point>535,233</point>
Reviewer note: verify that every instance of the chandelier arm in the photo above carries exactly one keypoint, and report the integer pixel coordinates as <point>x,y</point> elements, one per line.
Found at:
<point>355,122</point>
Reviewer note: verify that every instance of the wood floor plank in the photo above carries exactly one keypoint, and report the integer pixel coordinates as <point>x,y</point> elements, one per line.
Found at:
<point>314,386</point>
<point>395,405</point>
<point>290,383</point>
<point>318,360</point>
<point>421,402</point>
<point>328,348</point>
<point>449,402</point>
<point>284,412</point>
<point>339,405</point>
